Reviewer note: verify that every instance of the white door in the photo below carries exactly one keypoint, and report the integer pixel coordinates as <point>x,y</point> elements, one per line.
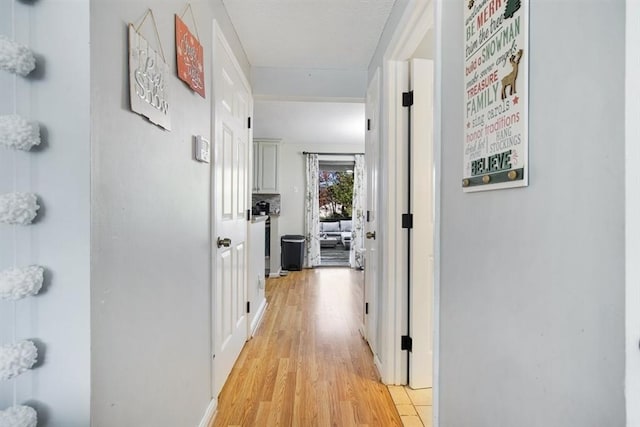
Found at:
<point>232,107</point>
<point>422,238</point>
<point>371,244</point>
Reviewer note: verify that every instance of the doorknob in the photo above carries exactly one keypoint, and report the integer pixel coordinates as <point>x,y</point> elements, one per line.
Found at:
<point>371,235</point>
<point>226,242</point>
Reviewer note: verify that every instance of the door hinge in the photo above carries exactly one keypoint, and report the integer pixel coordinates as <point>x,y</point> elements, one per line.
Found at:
<point>248,307</point>
<point>406,343</point>
<point>249,122</point>
<point>368,124</point>
<point>407,99</point>
<point>248,214</point>
<point>368,216</point>
<point>366,308</point>
<point>407,220</point>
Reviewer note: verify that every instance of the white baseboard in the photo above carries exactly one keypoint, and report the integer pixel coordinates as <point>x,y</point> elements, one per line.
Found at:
<point>209,416</point>
<point>378,364</point>
<point>274,275</point>
<point>258,317</point>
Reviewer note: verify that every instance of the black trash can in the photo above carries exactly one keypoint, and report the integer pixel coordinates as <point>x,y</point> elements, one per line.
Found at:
<point>292,252</point>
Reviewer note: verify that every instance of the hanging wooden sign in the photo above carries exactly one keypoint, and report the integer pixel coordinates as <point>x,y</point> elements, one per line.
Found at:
<point>148,79</point>
<point>190,57</point>
<point>496,69</point>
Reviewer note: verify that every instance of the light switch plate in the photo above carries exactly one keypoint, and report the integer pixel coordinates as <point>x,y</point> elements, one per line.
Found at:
<point>202,149</point>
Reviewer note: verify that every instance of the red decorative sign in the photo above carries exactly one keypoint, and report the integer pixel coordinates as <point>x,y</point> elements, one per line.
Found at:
<point>190,58</point>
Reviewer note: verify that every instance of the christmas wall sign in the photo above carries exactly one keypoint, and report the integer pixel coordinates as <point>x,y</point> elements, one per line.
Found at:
<point>189,55</point>
<point>496,69</point>
<point>148,77</point>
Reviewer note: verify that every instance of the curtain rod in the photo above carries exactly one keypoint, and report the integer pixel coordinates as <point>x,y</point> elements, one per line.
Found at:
<point>332,154</point>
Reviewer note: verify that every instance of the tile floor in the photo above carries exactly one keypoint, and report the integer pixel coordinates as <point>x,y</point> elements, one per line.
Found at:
<point>414,406</point>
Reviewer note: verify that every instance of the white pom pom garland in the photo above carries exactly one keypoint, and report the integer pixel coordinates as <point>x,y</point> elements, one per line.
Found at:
<point>19,416</point>
<point>16,58</point>
<point>17,283</point>
<point>16,359</point>
<point>18,208</point>
<point>18,133</point>
<point>21,209</point>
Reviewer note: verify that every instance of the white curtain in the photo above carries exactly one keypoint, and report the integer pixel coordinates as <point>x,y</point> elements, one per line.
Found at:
<point>356,255</point>
<point>312,209</point>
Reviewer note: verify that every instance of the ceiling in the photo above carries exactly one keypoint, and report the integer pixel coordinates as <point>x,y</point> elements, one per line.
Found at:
<point>297,47</point>
<point>325,34</point>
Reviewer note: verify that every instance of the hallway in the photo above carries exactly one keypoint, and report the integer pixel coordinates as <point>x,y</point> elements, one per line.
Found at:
<point>308,365</point>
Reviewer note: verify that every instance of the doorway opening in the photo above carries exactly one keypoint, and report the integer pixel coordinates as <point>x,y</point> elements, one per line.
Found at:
<point>409,309</point>
<point>335,200</point>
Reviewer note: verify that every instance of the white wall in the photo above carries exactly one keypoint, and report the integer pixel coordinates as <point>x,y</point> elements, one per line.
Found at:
<point>306,126</point>
<point>397,12</point>
<point>229,31</point>
<point>151,331</point>
<point>532,279</point>
<point>56,95</point>
<point>340,123</point>
<point>293,174</point>
<point>633,213</point>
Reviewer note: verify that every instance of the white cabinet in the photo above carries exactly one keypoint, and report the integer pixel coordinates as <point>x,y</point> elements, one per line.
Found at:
<point>266,159</point>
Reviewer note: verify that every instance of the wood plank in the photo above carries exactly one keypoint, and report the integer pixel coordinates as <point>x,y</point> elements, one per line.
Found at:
<point>307,365</point>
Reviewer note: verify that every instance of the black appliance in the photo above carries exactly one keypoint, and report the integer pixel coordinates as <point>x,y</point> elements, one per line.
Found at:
<point>262,206</point>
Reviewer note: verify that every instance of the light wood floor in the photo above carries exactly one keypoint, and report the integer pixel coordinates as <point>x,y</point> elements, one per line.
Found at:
<point>308,365</point>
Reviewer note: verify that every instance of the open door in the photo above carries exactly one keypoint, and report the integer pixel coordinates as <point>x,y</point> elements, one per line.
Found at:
<point>422,192</point>
<point>371,280</point>
<point>232,107</point>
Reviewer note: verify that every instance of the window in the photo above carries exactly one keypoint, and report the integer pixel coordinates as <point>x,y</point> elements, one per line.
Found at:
<point>335,191</point>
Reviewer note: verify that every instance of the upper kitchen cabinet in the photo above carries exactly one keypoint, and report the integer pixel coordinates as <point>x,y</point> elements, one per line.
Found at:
<point>266,159</point>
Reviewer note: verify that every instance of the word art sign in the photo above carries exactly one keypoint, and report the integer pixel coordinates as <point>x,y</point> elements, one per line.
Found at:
<point>189,54</point>
<point>496,93</point>
<point>148,81</point>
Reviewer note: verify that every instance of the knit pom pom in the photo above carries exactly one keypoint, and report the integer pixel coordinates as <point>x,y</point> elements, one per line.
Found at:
<point>16,359</point>
<point>17,283</point>
<point>18,208</point>
<point>19,416</point>
<point>16,58</point>
<point>18,133</point>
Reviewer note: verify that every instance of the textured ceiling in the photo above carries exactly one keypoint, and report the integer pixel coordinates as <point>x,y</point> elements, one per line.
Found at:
<point>334,34</point>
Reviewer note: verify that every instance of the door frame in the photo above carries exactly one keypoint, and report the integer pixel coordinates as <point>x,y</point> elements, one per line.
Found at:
<point>632,220</point>
<point>371,282</point>
<point>393,200</point>
<point>418,18</point>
